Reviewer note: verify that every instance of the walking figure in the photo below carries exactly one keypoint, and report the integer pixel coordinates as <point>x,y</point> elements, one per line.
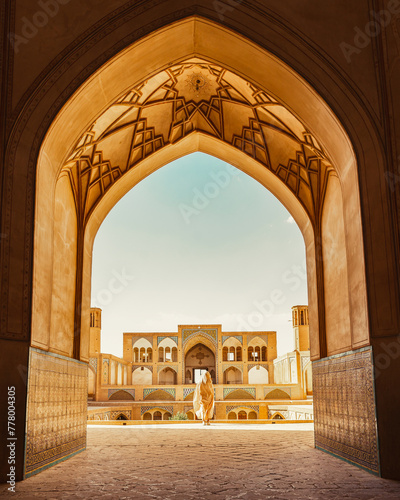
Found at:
<point>203,399</point>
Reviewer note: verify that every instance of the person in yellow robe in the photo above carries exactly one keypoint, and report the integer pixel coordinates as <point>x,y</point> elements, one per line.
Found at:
<point>203,399</point>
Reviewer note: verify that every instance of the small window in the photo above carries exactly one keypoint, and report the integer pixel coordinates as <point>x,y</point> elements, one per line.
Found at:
<point>231,356</point>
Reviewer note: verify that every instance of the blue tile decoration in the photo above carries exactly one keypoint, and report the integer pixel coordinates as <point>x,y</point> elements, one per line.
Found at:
<point>143,409</point>
<point>212,333</point>
<point>169,390</point>
<point>112,391</point>
<point>93,363</point>
<point>175,339</point>
<point>256,408</point>
<point>250,390</point>
<point>226,337</point>
<point>187,391</point>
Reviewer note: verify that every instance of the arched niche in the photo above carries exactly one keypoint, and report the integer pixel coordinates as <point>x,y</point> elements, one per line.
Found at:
<point>258,375</point>
<point>167,376</point>
<point>142,376</point>
<point>233,375</point>
<point>199,357</point>
<point>53,311</point>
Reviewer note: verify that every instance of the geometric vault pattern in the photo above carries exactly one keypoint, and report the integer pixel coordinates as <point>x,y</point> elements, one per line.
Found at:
<point>196,96</point>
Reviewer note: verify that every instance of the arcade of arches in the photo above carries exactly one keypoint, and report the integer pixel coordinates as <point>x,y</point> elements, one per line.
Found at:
<point>158,372</point>
<point>89,116</point>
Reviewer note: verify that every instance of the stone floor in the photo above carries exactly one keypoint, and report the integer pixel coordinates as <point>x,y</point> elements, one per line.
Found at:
<point>191,462</point>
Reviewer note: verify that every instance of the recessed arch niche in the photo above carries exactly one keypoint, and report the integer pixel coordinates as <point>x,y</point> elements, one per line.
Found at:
<point>285,136</point>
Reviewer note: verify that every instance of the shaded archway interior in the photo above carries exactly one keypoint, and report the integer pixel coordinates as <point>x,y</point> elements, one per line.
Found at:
<point>197,104</point>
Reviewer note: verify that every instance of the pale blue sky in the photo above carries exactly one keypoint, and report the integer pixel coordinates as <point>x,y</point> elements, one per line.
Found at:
<point>198,242</point>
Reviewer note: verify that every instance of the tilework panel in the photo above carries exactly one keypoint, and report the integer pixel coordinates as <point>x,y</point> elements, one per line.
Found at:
<point>56,411</point>
<point>250,390</point>
<point>146,392</point>
<point>187,333</point>
<point>226,337</point>
<point>129,391</point>
<point>344,408</point>
<point>169,409</point>
<point>187,391</point>
<point>230,408</point>
<point>160,339</point>
<point>93,363</point>
<point>116,414</point>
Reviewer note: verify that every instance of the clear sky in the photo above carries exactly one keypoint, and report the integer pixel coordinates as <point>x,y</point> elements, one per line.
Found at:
<point>198,242</point>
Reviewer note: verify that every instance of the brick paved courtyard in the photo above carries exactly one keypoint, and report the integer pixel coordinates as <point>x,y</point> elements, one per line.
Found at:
<point>192,462</point>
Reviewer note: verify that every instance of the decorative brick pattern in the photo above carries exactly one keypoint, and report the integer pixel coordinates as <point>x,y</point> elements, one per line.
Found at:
<point>160,339</point>
<point>250,390</point>
<point>126,413</point>
<point>57,410</point>
<point>113,391</point>
<point>169,390</point>
<point>212,334</point>
<point>144,409</point>
<point>238,337</point>
<point>187,391</point>
<point>344,408</point>
<point>93,363</point>
<point>230,408</point>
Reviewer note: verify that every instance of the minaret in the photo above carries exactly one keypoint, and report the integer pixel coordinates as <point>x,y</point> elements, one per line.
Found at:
<point>95,331</point>
<point>301,328</point>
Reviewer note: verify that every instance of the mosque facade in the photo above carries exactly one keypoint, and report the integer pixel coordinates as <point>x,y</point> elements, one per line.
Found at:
<point>158,372</point>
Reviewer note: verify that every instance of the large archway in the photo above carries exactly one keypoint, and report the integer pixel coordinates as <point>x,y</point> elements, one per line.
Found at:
<point>302,155</point>
<point>147,120</point>
<point>198,359</point>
